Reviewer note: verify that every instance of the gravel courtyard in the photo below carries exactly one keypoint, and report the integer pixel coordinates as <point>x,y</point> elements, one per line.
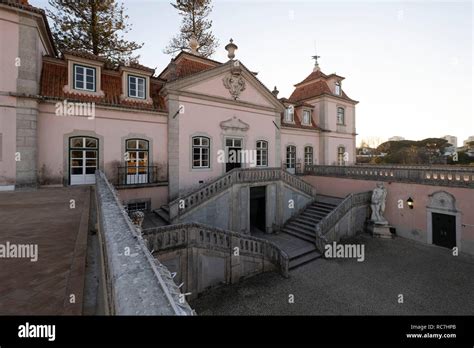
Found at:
<point>431,280</point>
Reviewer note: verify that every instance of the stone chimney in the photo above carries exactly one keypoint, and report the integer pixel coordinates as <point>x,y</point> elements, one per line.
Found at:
<point>275,92</point>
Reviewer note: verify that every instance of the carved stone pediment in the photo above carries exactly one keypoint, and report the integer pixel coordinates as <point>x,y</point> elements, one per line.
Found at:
<point>235,83</point>
<point>442,200</point>
<point>234,124</point>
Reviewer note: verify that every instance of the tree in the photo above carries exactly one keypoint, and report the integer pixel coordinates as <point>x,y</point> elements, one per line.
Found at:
<point>94,26</point>
<point>194,22</point>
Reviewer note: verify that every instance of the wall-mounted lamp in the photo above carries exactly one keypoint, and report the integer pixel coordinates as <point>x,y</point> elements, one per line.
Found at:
<point>410,202</point>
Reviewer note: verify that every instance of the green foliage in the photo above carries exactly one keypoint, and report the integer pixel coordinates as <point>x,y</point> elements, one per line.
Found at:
<point>93,26</point>
<point>194,15</point>
<point>426,151</point>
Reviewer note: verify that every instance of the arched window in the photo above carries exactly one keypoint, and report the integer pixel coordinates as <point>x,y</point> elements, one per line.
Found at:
<point>340,116</point>
<point>262,153</point>
<point>341,150</point>
<point>83,160</point>
<point>137,154</point>
<point>201,150</point>
<point>308,156</point>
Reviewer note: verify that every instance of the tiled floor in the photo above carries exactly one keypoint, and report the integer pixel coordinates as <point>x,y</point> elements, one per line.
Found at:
<point>44,217</point>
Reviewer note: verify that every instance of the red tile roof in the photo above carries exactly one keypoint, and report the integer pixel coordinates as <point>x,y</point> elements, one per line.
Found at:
<point>315,85</point>
<point>54,78</point>
<point>308,91</point>
<point>186,64</point>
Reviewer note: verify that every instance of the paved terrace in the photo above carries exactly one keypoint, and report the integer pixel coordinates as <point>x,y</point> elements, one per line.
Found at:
<point>44,217</point>
<point>432,281</point>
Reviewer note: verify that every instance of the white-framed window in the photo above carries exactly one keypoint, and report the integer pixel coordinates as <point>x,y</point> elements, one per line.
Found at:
<point>136,87</point>
<point>306,117</point>
<point>290,157</point>
<point>337,88</point>
<point>289,114</point>
<point>201,150</point>
<point>262,153</point>
<point>341,150</point>
<point>84,78</point>
<point>308,156</point>
<point>340,115</point>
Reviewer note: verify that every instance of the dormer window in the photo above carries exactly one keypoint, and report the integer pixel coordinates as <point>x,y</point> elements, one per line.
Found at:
<point>136,87</point>
<point>289,114</point>
<point>306,117</point>
<point>84,78</point>
<point>337,89</point>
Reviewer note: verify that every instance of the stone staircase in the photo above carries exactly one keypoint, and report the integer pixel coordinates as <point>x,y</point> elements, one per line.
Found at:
<point>163,215</point>
<point>303,226</point>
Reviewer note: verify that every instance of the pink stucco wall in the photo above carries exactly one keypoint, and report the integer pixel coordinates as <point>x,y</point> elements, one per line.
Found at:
<point>158,195</point>
<point>410,223</point>
<point>204,118</point>
<point>112,125</point>
<point>300,139</point>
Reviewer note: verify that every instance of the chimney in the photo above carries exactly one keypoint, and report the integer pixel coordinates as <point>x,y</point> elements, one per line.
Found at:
<point>275,92</point>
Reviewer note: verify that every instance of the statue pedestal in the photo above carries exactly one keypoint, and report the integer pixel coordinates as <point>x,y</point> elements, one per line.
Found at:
<point>379,231</point>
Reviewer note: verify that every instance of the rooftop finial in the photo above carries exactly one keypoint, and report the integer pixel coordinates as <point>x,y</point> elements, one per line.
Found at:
<point>193,44</point>
<point>316,64</point>
<point>230,48</point>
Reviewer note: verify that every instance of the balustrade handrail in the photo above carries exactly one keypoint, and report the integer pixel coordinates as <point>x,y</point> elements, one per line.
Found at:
<point>237,176</point>
<point>247,244</point>
<point>350,201</point>
<point>457,176</point>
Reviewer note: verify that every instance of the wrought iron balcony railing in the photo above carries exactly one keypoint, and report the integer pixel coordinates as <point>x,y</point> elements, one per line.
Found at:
<point>138,175</point>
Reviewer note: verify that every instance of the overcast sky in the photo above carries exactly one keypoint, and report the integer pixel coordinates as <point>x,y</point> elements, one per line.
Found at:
<point>410,64</point>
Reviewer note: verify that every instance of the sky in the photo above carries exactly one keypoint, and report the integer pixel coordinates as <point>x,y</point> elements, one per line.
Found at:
<point>409,64</point>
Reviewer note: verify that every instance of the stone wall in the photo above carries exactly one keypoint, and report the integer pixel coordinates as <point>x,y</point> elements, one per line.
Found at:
<point>204,257</point>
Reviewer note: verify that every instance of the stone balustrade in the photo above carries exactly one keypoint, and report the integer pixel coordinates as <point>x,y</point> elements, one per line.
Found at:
<point>426,175</point>
<point>187,202</point>
<point>135,282</point>
<point>197,235</point>
<point>325,233</point>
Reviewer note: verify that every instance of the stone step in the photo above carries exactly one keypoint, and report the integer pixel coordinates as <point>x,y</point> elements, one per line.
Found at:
<point>324,204</point>
<point>300,227</point>
<point>162,214</point>
<point>299,235</point>
<point>304,259</point>
<point>319,209</point>
<point>304,224</point>
<point>313,214</point>
<point>166,208</point>
<point>309,218</point>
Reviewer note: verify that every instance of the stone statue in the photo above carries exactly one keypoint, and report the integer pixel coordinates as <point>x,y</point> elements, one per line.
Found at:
<point>379,195</point>
<point>137,218</point>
